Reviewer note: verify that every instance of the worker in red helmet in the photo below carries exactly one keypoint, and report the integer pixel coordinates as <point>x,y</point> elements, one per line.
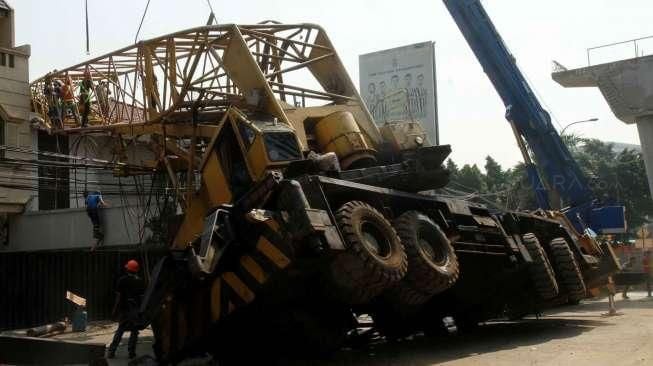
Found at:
<point>129,291</point>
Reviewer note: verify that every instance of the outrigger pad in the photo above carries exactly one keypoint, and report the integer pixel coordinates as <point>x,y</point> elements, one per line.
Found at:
<point>432,157</point>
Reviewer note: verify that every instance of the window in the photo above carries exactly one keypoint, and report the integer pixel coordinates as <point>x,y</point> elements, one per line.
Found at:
<point>282,146</point>
<point>11,61</point>
<point>3,59</point>
<point>247,134</point>
<point>233,162</point>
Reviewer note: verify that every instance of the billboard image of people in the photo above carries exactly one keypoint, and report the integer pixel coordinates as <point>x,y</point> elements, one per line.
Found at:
<point>399,84</point>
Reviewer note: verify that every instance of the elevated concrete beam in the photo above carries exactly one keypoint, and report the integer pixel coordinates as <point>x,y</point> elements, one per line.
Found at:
<point>645,130</point>
<point>627,87</point>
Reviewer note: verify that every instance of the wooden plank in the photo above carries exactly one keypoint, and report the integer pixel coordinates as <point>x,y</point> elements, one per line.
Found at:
<point>76,299</point>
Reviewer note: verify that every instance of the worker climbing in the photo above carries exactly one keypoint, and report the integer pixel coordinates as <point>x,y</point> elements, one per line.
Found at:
<point>129,290</point>
<point>94,202</point>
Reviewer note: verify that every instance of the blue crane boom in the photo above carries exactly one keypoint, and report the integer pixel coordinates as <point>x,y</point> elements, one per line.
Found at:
<point>545,154</point>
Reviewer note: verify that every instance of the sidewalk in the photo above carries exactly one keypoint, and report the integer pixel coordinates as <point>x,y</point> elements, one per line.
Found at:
<point>101,332</point>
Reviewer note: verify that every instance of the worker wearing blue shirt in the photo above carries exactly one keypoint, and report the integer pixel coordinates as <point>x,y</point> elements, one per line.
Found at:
<point>94,202</point>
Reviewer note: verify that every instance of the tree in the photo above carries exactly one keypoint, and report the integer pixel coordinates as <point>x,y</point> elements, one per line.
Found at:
<point>453,170</point>
<point>520,195</point>
<point>616,178</point>
<point>495,178</point>
<point>471,179</point>
<point>631,188</point>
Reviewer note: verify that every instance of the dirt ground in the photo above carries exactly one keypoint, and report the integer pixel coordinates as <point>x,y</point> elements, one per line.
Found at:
<point>572,335</point>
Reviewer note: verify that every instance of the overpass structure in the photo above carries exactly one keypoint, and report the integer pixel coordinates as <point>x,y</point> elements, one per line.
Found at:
<point>627,86</point>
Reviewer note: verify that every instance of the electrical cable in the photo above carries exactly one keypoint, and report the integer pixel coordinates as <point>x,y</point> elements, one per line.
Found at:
<point>88,52</point>
<point>141,23</point>
<point>208,2</point>
<point>67,156</point>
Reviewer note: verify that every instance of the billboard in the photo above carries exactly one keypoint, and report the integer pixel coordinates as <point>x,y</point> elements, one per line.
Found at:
<point>399,84</point>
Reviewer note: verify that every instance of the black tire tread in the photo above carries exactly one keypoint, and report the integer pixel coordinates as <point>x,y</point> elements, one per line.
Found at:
<point>567,269</point>
<point>363,276</point>
<point>422,280</point>
<point>541,270</point>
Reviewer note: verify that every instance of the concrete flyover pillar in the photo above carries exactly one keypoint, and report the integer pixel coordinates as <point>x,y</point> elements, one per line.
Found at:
<point>627,87</point>
<point>645,130</point>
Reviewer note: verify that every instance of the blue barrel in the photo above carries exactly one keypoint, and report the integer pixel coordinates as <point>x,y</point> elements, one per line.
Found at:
<point>80,319</point>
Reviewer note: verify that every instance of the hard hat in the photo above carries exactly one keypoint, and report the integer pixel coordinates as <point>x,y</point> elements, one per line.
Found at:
<point>132,266</point>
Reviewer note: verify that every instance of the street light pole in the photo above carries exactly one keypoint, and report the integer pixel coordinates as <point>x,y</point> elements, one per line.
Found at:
<point>577,122</point>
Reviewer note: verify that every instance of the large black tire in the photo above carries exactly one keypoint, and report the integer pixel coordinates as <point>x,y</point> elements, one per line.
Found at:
<point>568,271</point>
<point>374,259</point>
<point>540,269</point>
<point>432,262</point>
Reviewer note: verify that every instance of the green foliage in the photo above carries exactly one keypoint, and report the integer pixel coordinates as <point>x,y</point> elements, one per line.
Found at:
<point>620,177</point>
<point>520,195</point>
<point>615,177</point>
<point>497,182</point>
<point>453,169</point>
<point>471,178</point>
<point>495,177</point>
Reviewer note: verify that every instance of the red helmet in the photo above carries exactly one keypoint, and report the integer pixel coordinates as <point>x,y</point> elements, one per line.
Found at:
<point>132,266</point>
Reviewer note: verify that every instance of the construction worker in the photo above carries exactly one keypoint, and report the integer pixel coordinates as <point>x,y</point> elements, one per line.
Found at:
<point>102,93</point>
<point>85,90</point>
<point>68,98</point>
<point>57,102</point>
<point>646,267</point>
<point>628,267</point>
<point>94,202</point>
<point>129,291</point>
<point>49,92</point>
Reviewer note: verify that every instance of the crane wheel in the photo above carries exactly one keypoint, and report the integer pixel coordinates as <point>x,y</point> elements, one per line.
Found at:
<point>541,271</point>
<point>432,263</point>
<point>374,259</point>
<point>568,271</point>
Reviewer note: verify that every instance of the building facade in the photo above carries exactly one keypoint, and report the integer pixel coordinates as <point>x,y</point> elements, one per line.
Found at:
<point>15,132</point>
<point>42,207</point>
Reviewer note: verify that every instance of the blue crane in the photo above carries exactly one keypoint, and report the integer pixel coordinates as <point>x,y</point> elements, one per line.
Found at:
<point>552,171</point>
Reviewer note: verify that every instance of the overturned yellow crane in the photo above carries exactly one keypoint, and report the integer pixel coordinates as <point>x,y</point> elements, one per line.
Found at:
<point>305,211</point>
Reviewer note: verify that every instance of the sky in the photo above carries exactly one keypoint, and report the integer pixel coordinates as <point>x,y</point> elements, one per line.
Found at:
<point>471,113</point>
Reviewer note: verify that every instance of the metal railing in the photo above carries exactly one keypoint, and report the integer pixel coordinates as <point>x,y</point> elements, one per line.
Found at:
<point>634,41</point>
